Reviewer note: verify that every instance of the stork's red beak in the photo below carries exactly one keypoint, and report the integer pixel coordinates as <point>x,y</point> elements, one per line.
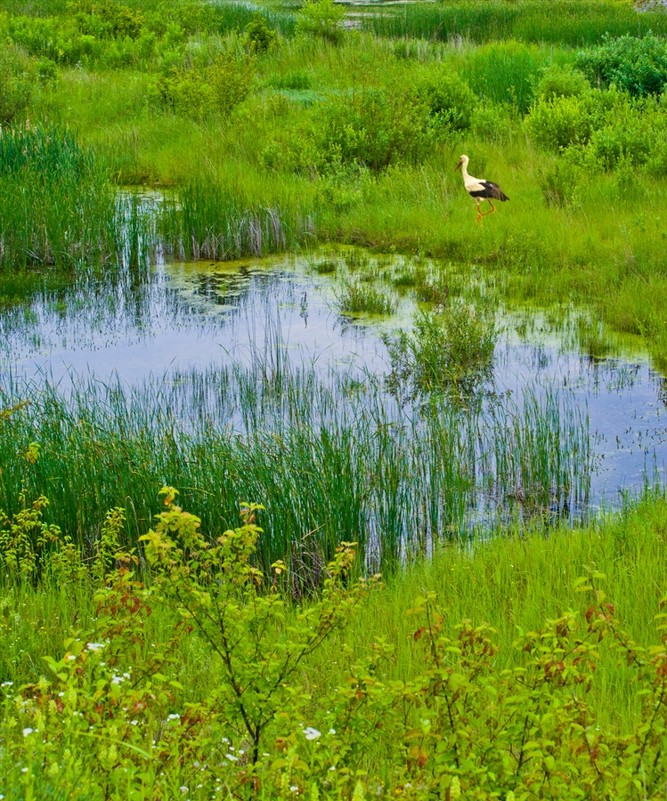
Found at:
<point>458,165</point>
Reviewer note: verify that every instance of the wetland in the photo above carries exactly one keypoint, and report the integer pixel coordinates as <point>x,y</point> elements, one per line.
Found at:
<point>312,486</point>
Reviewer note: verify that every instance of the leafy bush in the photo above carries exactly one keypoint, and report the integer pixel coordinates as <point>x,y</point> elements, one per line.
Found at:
<point>629,141</point>
<point>637,65</point>
<point>258,36</point>
<point>558,81</point>
<point>560,122</point>
<point>321,18</point>
<point>196,91</point>
<point>450,101</point>
<point>371,127</point>
<point>107,20</point>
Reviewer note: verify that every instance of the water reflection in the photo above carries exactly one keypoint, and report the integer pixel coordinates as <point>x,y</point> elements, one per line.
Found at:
<point>190,322</point>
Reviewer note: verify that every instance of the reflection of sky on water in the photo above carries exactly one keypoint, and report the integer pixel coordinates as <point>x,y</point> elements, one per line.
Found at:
<point>204,316</point>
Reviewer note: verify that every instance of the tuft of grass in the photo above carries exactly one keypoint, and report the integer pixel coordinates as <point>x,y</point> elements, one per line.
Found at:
<point>361,297</point>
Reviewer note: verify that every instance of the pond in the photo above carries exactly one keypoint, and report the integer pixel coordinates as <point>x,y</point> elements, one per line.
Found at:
<point>221,346</point>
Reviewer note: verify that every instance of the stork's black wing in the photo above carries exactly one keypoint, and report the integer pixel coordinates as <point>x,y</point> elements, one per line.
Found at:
<point>490,190</point>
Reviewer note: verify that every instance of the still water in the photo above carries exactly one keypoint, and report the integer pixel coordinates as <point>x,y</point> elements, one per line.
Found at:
<point>204,316</point>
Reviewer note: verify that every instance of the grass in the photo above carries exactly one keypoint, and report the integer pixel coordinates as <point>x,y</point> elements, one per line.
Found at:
<point>574,24</point>
<point>513,582</point>
<point>463,496</point>
<point>58,208</point>
<point>396,481</point>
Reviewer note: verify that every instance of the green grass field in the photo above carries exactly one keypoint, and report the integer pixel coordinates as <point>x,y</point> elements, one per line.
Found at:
<point>150,654</point>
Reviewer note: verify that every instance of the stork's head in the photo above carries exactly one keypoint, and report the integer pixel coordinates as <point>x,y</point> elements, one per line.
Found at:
<point>463,162</point>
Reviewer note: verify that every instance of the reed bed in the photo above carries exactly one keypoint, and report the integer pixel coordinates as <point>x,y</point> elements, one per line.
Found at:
<point>568,23</point>
<point>58,209</point>
<point>211,222</point>
<point>333,457</point>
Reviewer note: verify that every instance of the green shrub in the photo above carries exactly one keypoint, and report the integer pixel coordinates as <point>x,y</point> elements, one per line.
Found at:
<point>106,20</point>
<point>450,101</point>
<point>258,36</point>
<point>637,65</point>
<point>560,122</point>
<point>196,92</point>
<point>625,141</point>
<point>321,18</point>
<point>371,127</point>
<point>558,81</point>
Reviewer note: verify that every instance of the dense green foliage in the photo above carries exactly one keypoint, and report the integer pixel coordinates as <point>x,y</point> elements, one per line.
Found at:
<point>192,666</point>
<point>207,681</point>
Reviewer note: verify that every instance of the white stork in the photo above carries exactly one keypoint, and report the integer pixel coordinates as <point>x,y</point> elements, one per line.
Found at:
<point>479,189</point>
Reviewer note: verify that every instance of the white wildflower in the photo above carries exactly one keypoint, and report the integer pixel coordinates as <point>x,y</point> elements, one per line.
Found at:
<point>311,733</point>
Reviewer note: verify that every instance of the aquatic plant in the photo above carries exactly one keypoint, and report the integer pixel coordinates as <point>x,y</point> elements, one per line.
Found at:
<point>355,296</point>
<point>449,350</point>
<point>57,207</point>
<point>398,479</point>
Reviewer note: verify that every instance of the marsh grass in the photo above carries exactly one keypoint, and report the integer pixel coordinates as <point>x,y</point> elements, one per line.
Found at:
<point>574,24</point>
<point>57,208</point>
<point>398,480</point>
<point>360,297</point>
<point>213,223</point>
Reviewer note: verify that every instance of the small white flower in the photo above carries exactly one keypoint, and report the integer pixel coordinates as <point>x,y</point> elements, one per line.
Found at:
<point>27,731</point>
<point>311,733</point>
<point>71,657</point>
<point>231,757</point>
<point>183,788</point>
<point>95,646</point>
<point>174,716</point>
<point>6,684</point>
<point>332,731</point>
<point>134,722</point>
<point>293,788</point>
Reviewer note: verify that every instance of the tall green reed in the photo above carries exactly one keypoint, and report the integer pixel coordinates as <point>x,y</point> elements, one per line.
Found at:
<point>57,207</point>
<point>212,222</point>
<point>331,455</point>
<point>574,24</point>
